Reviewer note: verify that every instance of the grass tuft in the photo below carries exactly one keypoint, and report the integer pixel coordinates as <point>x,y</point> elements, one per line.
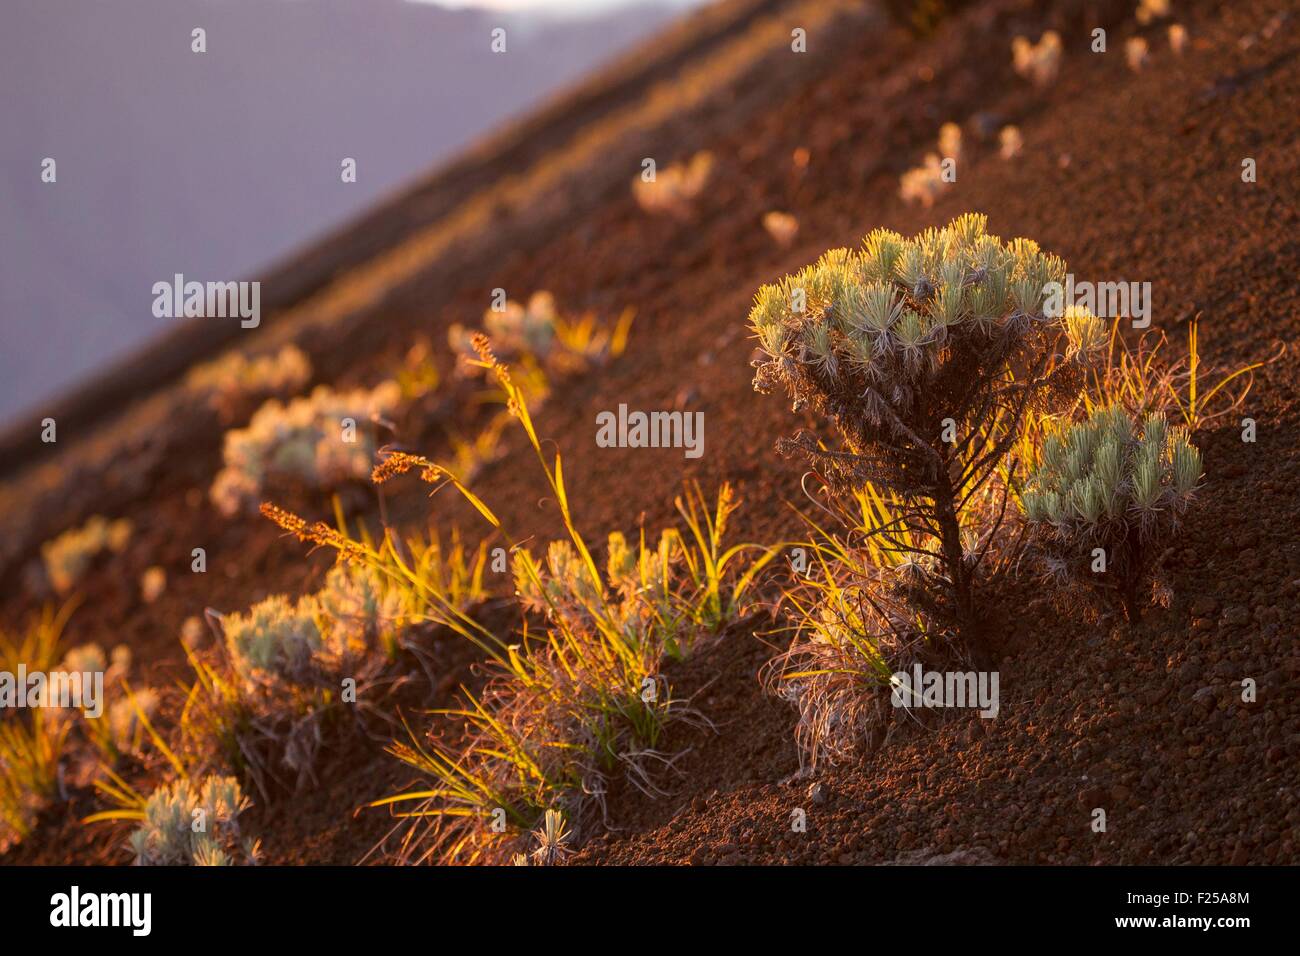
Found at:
<point>584,698</point>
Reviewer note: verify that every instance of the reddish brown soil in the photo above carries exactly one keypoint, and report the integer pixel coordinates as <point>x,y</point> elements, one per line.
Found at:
<point>1127,176</point>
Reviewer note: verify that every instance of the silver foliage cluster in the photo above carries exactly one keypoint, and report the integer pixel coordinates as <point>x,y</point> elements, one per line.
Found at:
<point>193,823</point>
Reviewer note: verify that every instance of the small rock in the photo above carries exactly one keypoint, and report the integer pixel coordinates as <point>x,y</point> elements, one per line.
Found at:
<point>1235,616</point>
<point>1092,797</point>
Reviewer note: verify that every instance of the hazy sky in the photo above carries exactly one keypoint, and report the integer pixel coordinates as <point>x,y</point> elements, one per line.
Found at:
<point>217,165</point>
<point>549,5</point>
